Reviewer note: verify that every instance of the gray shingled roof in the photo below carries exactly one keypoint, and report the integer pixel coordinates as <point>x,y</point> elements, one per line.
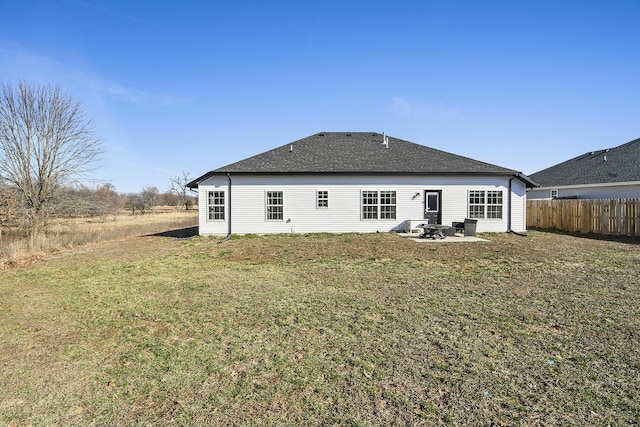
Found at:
<point>359,153</point>
<point>619,164</point>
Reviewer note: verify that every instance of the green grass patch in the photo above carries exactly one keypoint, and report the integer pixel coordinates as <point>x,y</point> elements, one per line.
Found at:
<point>325,329</point>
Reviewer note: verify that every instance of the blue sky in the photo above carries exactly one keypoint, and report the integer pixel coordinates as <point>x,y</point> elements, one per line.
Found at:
<point>195,85</point>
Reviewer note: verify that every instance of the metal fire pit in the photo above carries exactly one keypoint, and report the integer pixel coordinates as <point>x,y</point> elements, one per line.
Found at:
<point>431,231</point>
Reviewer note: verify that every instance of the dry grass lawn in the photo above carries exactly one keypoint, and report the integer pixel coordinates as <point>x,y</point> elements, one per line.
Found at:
<point>65,234</point>
<point>347,329</point>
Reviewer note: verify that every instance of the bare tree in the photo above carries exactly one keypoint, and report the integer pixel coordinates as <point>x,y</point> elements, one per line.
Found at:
<point>179,187</point>
<point>46,142</point>
<point>169,199</point>
<point>150,196</point>
<point>71,202</point>
<point>107,201</point>
<point>9,207</point>
<point>134,202</point>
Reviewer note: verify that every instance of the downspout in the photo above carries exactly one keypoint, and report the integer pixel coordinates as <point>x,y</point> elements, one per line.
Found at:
<point>509,230</point>
<point>228,236</point>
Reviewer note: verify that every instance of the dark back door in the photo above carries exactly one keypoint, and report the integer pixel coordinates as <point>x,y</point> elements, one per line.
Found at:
<point>432,206</point>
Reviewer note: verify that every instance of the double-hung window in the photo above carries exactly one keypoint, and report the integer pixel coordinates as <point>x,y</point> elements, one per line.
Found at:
<point>369,205</point>
<point>476,204</point>
<point>378,205</point>
<point>387,205</point>
<point>215,205</point>
<point>275,205</point>
<point>494,204</point>
<point>485,204</point>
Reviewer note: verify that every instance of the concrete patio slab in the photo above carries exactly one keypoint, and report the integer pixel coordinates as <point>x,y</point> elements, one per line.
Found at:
<point>458,238</point>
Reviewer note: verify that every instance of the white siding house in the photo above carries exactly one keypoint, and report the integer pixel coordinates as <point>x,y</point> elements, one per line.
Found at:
<point>251,197</point>
<point>627,190</point>
<point>612,173</point>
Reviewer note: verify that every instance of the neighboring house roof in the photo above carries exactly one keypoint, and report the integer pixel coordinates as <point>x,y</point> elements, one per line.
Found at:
<point>611,165</point>
<point>359,153</point>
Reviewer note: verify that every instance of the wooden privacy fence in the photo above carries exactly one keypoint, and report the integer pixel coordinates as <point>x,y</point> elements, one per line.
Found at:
<point>606,216</point>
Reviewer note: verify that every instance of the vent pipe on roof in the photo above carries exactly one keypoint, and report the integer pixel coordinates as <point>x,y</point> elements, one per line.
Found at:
<point>385,140</point>
<point>291,148</point>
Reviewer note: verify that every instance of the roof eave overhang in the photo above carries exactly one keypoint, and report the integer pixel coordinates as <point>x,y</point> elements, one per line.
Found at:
<point>193,185</point>
<point>525,179</point>
<point>529,183</point>
<point>590,185</point>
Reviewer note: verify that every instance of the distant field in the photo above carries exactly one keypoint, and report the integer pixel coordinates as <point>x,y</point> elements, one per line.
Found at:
<point>347,329</point>
<point>64,234</point>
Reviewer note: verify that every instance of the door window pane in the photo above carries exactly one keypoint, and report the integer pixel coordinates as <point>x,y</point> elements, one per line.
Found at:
<point>432,202</point>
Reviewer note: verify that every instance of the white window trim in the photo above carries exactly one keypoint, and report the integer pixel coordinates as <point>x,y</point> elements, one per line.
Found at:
<point>224,206</point>
<point>501,204</point>
<point>362,205</point>
<point>395,204</point>
<point>378,205</point>
<point>267,205</point>
<point>326,199</point>
<point>485,205</point>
